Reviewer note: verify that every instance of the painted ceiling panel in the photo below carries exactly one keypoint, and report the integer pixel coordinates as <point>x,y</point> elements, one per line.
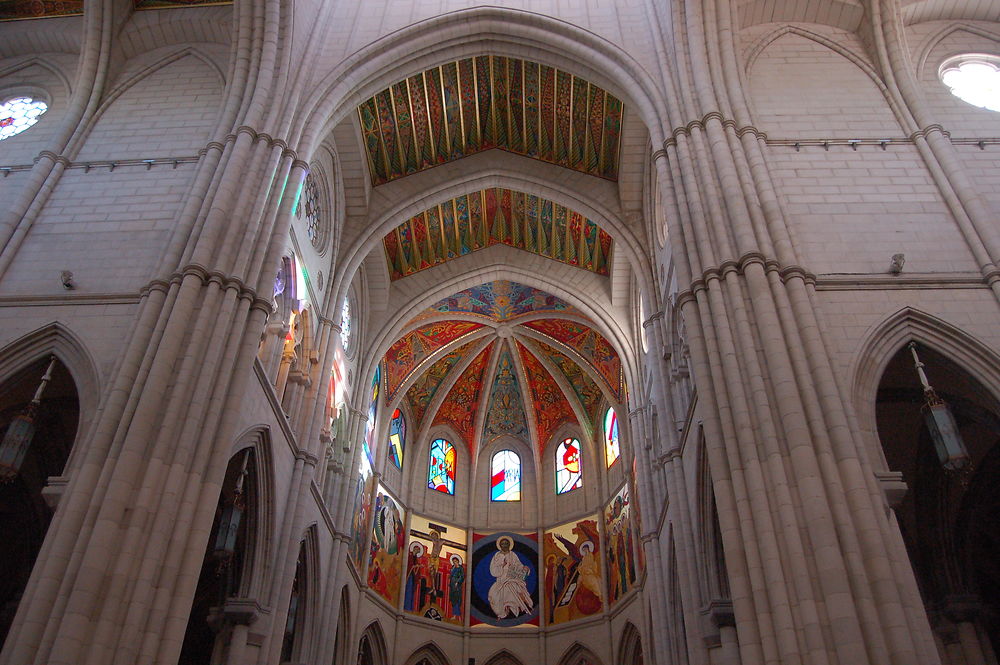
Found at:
<point>501,300</point>
<point>459,408</point>
<point>505,415</point>
<point>496,216</point>
<point>166,4</point>
<point>18,9</point>
<point>589,344</point>
<point>476,104</point>
<point>408,352</point>
<point>586,390</point>
<point>422,392</point>
<point>551,408</point>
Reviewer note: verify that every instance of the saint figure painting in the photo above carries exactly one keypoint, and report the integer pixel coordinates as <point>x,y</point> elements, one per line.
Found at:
<point>505,579</point>
<point>434,577</point>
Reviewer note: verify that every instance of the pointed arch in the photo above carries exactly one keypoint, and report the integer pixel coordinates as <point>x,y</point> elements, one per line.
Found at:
<point>55,339</point>
<point>577,654</point>
<point>883,340</point>
<point>630,646</point>
<point>342,635</point>
<point>428,654</point>
<point>371,646</point>
<point>503,657</point>
<point>948,30</point>
<point>260,513</point>
<point>44,63</point>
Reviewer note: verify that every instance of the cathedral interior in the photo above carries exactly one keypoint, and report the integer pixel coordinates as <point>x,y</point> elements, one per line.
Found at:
<point>548,332</point>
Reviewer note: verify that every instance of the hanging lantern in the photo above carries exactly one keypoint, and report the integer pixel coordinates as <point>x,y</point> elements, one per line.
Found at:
<point>229,521</point>
<point>21,431</point>
<point>941,423</point>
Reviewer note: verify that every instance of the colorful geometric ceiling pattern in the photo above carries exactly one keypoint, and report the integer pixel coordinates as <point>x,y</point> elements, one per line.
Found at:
<point>413,348</point>
<point>12,10</point>
<point>422,391</point>
<point>475,104</point>
<point>166,4</point>
<point>551,408</point>
<point>589,344</point>
<point>505,415</point>
<point>587,391</point>
<point>496,216</point>
<point>460,406</point>
<point>500,300</point>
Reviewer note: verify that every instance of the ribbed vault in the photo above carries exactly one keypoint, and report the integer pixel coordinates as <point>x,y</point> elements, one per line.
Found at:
<point>503,359</point>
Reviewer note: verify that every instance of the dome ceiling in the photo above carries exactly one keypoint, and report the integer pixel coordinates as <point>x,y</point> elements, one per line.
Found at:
<point>503,359</point>
<point>496,216</point>
<point>476,104</point>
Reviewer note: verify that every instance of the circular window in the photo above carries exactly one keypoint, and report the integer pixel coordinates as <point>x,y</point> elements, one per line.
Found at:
<point>19,113</point>
<point>311,207</point>
<point>974,78</point>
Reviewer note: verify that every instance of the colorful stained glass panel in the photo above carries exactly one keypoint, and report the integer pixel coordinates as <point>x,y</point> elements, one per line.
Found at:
<point>441,470</point>
<point>397,438</point>
<point>612,449</point>
<point>505,476</point>
<point>568,473</point>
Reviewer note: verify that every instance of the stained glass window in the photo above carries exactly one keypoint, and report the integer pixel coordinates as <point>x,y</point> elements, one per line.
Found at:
<point>568,476</point>
<point>505,479</point>
<point>441,471</point>
<point>373,408</point>
<point>611,448</point>
<point>345,323</point>
<point>397,438</point>
<point>19,113</point>
<point>310,205</point>
<point>975,79</point>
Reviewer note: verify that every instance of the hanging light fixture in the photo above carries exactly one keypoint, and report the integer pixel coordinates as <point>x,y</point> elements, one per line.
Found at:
<point>941,423</point>
<point>21,431</point>
<point>229,522</point>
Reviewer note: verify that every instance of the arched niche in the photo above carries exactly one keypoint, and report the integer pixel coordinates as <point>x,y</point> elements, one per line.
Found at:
<point>428,654</point>
<point>371,646</point>
<point>948,517</point>
<point>630,646</point>
<point>220,599</point>
<point>30,491</point>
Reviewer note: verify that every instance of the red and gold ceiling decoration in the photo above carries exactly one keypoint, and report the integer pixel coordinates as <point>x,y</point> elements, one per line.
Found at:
<point>12,10</point>
<point>496,216</point>
<point>476,104</point>
<point>168,4</point>
<point>495,376</point>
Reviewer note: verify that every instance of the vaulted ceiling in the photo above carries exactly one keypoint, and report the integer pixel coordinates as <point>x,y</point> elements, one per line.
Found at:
<point>467,106</point>
<point>503,359</point>
<point>496,216</point>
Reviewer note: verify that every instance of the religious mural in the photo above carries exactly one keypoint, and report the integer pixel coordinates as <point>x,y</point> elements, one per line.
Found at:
<point>586,389</point>
<point>496,216</point>
<point>363,490</point>
<point>385,558</point>
<point>460,407</point>
<point>422,391</point>
<point>464,107</point>
<point>621,546</point>
<point>572,558</point>
<point>434,576</point>
<point>500,300</point>
<point>504,579</point>
<point>552,410</point>
<point>505,414</point>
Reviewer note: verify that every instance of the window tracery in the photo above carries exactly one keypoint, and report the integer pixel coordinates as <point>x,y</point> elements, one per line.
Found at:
<point>18,114</point>
<point>974,78</point>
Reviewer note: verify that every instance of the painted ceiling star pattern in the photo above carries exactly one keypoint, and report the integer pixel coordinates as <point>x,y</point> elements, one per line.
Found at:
<point>475,104</point>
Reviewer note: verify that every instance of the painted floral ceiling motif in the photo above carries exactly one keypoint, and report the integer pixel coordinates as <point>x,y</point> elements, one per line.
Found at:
<point>549,403</point>
<point>413,348</point>
<point>589,344</point>
<point>496,216</point>
<point>167,4</point>
<point>476,104</point>
<point>460,407</point>
<point>12,10</point>
<point>500,300</point>
<point>497,373</point>
<point>505,414</point>
<point>586,390</point>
